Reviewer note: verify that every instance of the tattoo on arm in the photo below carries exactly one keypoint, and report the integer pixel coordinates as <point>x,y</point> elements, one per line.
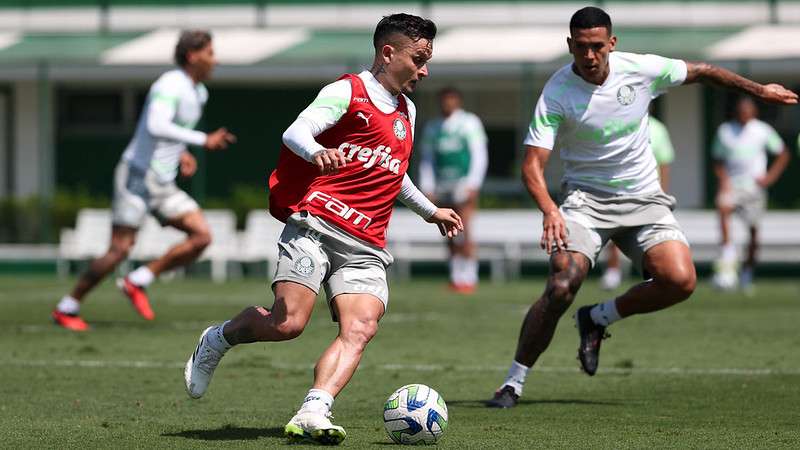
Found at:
<point>710,74</point>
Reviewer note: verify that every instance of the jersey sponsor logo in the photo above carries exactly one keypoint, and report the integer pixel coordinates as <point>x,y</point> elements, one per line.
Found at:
<point>399,129</point>
<point>338,207</point>
<point>626,95</point>
<point>366,118</point>
<point>360,100</point>
<point>378,157</point>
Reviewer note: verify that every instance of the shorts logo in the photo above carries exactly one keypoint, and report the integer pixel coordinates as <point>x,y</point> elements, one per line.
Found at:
<point>626,95</point>
<point>399,129</point>
<point>304,266</point>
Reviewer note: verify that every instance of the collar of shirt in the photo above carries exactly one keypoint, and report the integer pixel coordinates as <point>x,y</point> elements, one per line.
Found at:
<point>382,98</point>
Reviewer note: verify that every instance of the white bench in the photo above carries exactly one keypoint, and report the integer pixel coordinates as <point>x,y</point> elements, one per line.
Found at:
<point>92,233</point>
<point>259,240</point>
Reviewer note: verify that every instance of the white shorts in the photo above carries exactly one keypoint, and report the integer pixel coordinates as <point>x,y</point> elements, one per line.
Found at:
<point>749,204</point>
<point>314,253</point>
<point>634,223</point>
<point>137,193</point>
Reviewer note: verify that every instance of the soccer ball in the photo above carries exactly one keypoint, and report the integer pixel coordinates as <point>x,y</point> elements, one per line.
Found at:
<point>415,414</point>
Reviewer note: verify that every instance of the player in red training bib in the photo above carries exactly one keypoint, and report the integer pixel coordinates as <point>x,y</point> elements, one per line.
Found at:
<point>342,165</point>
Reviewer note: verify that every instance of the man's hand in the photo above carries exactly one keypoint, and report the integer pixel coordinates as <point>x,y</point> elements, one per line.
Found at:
<point>448,221</point>
<point>188,164</point>
<point>775,93</point>
<point>219,140</point>
<point>329,160</point>
<point>554,232</point>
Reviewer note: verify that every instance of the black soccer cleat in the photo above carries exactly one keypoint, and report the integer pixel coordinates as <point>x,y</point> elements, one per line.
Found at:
<point>506,397</point>
<point>591,335</point>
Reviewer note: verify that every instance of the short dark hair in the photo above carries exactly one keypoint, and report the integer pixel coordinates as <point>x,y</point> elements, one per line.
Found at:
<point>190,41</point>
<point>450,90</point>
<point>413,27</point>
<point>590,17</point>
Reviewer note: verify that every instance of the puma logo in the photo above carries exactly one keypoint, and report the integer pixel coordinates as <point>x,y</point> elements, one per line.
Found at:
<point>366,118</point>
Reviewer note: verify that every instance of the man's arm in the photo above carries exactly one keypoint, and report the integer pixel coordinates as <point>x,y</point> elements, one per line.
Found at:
<point>701,72</point>
<point>479,155</point>
<point>775,169</point>
<point>446,219</point>
<point>162,109</point>
<point>323,113</point>
<point>554,229</point>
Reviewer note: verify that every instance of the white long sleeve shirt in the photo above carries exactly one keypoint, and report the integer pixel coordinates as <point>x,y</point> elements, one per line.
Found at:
<point>173,108</point>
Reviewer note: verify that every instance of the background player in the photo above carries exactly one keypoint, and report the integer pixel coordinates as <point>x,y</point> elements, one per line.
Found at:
<point>453,165</point>
<point>596,108</point>
<point>740,163</point>
<point>144,180</point>
<point>342,166</point>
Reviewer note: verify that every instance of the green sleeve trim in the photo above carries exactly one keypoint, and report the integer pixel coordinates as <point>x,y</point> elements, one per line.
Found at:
<point>547,122</point>
<point>664,79</point>
<point>335,107</point>
<point>774,142</point>
<point>171,100</point>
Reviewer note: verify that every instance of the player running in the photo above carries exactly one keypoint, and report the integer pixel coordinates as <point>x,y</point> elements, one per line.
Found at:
<point>144,180</point>
<point>342,166</point>
<point>596,108</point>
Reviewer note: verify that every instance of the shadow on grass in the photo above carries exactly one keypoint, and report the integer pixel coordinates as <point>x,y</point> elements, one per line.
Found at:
<point>229,433</point>
<point>482,403</point>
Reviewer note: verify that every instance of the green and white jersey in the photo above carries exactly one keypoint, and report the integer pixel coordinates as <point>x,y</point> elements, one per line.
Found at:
<point>743,150</point>
<point>660,142</point>
<point>453,151</point>
<point>602,131</point>
<point>173,108</point>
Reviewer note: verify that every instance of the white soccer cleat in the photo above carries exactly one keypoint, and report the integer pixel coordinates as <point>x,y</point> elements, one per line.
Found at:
<point>200,367</point>
<point>314,426</point>
<point>612,279</point>
<point>725,276</point>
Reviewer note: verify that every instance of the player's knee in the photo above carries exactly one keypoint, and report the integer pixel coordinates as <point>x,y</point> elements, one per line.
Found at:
<point>200,240</point>
<point>290,327</point>
<point>564,282</point>
<point>119,251</point>
<point>359,332</point>
<point>682,282</point>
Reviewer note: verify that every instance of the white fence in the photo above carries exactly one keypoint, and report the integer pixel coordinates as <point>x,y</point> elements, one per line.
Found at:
<point>506,239</point>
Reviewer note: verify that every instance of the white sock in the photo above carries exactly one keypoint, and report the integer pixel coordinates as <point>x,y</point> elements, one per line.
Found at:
<point>68,305</point>
<point>216,339</point>
<point>471,271</point>
<point>605,313</point>
<point>456,269</point>
<point>516,376</point>
<point>142,276</point>
<point>728,252</point>
<point>318,401</point>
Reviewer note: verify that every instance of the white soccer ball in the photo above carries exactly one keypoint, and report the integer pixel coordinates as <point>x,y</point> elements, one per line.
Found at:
<point>415,414</point>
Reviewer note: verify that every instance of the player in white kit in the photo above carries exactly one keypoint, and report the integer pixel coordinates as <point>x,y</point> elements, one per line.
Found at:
<point>595,110</point>
<point>144,180</point>
<point>740,163</point>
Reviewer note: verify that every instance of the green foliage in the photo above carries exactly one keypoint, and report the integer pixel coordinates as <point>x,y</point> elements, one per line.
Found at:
<point>34,219</point>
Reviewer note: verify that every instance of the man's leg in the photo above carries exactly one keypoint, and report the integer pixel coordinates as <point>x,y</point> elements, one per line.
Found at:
<point>612,277</point>
<point>725,268</point>
<point>66,313</point>
<point>197,239</point>
<point>358,316</point>
<point>285,320</point>
<point>464,260</point>
<point>567,272</point>
<point>746,277</point>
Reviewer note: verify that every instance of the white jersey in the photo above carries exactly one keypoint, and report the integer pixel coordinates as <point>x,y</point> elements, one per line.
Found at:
<point>173,107</point>
<point>602,131</point>
<point>743,150</point>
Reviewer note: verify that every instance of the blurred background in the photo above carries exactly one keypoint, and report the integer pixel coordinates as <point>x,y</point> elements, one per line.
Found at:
<point>74,75</point>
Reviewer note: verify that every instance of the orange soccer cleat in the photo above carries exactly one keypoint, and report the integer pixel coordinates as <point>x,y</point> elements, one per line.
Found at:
<point>69,321</point>
<point>138,298</point>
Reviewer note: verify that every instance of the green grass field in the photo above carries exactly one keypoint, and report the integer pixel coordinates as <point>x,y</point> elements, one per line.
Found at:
<point>719,371</point>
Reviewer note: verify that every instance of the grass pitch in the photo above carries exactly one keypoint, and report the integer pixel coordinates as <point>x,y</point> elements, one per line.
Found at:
<point>719,371</point>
